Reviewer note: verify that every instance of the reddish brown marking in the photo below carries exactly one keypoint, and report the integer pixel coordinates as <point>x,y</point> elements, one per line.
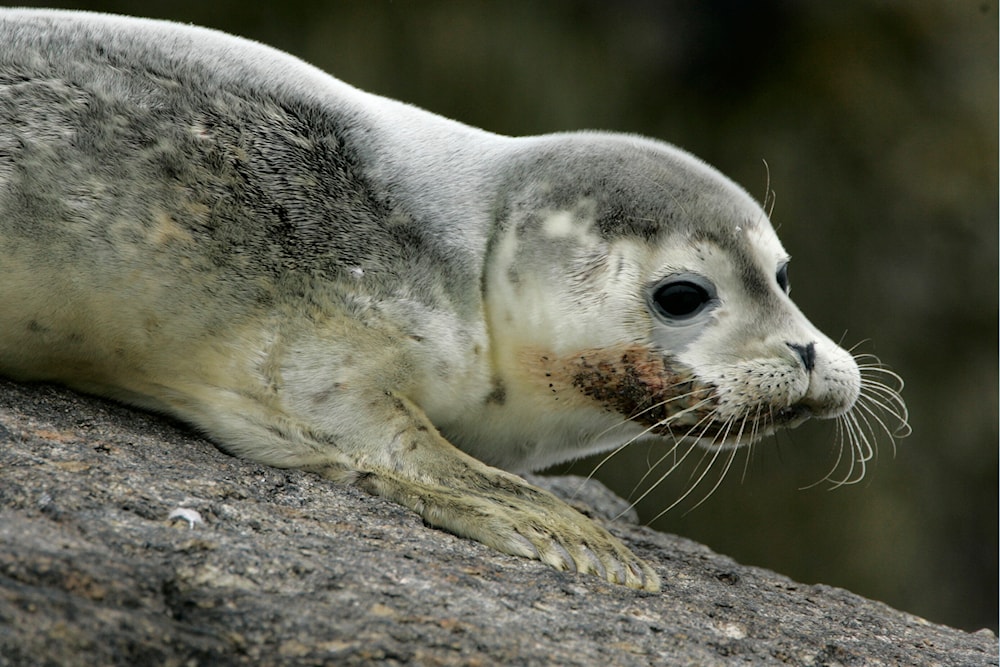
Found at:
<point>646,386</point>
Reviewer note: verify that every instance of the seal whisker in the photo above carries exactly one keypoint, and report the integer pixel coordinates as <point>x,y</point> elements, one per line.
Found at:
<point>863,450</point>
<point>637,416</point>
<point>722,474</point>
<point>845,441</point>
<point>871,384</point>
<point>671,451</point>
<point>866,438</point>
<point>715,453</point>
<point>869,381</point>
<point>754,427</point>
<point>889,402</point>
<point>862,439</point>
<point>770,196</point>
<point>843,435</point>
<point>610,455</point>
<point>649,429</point>
<point>677,441</point>
<point>865,409</point>
<point>858,344</point>
<point>884,396</point>
<point>704,423</point>
<point>861,447</point>
<point>859,428</point>
<point>614,452</point>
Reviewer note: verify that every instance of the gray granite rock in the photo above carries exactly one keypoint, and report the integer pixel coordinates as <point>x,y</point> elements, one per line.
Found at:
<point>266,567</point>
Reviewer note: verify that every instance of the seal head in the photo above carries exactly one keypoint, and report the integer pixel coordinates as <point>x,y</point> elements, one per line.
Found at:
<point>631,291</point>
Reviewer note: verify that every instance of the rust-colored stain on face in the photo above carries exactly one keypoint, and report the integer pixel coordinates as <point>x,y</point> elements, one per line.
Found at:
<point>646,386</point>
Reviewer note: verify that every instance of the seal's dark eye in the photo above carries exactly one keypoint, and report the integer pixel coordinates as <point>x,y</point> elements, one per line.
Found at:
<point>681,299</point>
<point>783,278</point>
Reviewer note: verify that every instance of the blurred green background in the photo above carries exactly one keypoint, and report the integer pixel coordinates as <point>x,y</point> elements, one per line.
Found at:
<point>878,121</point>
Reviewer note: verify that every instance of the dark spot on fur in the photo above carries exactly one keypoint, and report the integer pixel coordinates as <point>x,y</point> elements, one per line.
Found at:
<point>499,394</point>
<point>513,277</point>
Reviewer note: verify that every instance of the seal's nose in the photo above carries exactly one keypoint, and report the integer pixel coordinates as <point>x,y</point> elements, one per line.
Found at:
<point>807,353</point>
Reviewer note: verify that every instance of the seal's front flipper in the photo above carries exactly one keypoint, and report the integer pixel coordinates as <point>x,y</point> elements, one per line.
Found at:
<point>456,492</point>
<point>511,516</point>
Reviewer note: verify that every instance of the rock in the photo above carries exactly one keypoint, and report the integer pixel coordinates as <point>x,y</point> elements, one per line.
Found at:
<point>126,539</point>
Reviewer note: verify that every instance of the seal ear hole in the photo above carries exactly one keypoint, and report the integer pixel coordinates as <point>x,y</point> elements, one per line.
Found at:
<point>782,277</point>
<point>681,298</point>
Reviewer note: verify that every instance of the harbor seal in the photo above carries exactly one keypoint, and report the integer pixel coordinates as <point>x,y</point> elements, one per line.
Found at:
<point>324,279</point>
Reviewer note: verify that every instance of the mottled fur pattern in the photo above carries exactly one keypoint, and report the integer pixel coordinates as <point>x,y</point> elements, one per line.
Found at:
<point>322,278</point>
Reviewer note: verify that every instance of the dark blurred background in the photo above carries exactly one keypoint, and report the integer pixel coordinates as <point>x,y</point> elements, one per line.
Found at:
<point>878,121</point>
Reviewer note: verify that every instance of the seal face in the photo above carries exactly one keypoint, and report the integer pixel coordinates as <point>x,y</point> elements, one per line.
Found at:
<point>661,294</point>
<point>325,279</point>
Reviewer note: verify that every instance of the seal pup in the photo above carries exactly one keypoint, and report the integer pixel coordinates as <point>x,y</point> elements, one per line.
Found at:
<point>324,279</point>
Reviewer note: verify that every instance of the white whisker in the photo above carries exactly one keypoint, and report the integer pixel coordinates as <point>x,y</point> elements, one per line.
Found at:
<point>857,433</point>
<point>637,416</point>
<point>691,487</point>
<point>707,420</point>
<point>755,424</point>
<point>722,474</point>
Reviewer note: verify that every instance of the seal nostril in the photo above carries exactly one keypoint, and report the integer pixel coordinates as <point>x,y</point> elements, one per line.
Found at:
<point>807,353</point>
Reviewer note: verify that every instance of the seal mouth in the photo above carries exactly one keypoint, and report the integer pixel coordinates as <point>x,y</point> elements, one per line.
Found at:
<point>736,431</point>
<point>792,416</point>
<point>664,395</point>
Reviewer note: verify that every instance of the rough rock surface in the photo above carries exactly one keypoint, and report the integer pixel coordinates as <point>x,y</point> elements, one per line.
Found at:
<point>281,567</point>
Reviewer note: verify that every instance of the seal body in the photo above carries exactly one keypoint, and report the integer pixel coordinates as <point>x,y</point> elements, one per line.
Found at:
<point>321,278</point>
